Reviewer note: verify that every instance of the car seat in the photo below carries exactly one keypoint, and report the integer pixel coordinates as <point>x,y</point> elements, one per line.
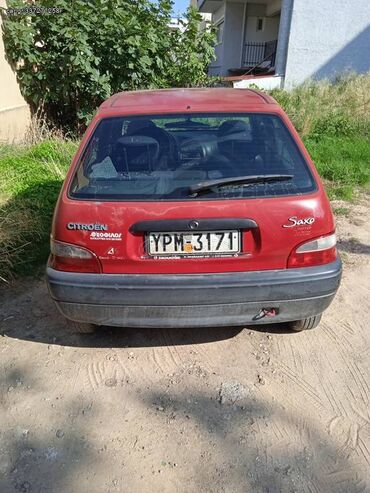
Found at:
<point>236,143</point>
<point>147,128</point>
<point>135,153</point>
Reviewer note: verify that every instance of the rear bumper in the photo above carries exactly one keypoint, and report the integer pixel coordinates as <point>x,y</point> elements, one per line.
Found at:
<point>189,300</point>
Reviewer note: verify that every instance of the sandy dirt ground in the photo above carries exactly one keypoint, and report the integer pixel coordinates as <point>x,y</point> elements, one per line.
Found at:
<point>211,410</point>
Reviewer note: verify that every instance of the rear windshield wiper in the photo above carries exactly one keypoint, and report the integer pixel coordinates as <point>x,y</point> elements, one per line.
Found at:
<point>238,180</point>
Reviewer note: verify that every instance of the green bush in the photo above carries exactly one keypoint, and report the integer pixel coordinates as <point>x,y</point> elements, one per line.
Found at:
<point>67,63</point>
<point>334,125</point>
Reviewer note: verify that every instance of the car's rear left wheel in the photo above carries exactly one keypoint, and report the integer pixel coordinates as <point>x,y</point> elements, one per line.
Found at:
<point>80,327</point>
<point>305,324</point>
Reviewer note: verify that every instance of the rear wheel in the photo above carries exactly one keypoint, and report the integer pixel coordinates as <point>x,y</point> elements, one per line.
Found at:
<point>80,327</point>
<point>305,324</point>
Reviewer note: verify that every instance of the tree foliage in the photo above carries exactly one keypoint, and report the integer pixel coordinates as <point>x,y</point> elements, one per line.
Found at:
<point>67,63</point>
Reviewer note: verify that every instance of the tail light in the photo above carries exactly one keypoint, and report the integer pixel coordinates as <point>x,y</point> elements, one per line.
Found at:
<point>314,252</point>
<point>72,258</point>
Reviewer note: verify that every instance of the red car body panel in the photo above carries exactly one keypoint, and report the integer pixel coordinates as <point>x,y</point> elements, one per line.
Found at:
<point>265,248</point>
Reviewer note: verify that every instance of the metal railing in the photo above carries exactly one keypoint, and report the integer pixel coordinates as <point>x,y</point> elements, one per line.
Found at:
<point>256,53</point>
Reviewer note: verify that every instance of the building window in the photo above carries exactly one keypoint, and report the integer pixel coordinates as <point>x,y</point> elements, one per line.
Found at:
<point>220,32</point>
<point>260,23</point>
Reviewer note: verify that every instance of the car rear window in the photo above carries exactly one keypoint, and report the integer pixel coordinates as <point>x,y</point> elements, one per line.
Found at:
<point>162,157</point>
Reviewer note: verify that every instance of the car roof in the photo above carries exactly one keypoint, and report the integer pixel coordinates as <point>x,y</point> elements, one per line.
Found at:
<point>187,99</point>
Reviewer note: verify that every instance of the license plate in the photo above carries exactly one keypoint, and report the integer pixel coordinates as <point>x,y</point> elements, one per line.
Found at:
<point>192,244</point>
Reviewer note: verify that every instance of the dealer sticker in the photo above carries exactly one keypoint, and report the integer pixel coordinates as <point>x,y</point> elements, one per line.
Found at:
<point>105,236</point>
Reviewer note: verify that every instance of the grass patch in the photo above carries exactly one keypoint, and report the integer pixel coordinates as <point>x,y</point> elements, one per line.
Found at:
<point>30,180</point>
<point>343,162</point>
<point>341,211</point>
<point>334,121</point>
<point>320,109</point>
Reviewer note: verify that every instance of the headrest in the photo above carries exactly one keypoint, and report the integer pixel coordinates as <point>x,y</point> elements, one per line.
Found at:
<point>138,124</point>
<point>232,127</point>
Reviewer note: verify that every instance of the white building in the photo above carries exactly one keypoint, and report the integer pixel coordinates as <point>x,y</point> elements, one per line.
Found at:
<point>177,23</point>
<point>285,42</point>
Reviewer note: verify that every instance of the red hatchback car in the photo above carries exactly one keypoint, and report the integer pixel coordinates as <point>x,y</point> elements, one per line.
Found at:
<point>192,207</point>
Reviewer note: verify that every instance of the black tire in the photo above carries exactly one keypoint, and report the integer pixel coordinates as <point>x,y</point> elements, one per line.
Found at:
<point>305,324</point>
<point>80,327</point>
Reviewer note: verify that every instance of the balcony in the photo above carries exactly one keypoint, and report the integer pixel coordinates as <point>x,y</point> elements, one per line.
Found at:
<point>258,59</point>
<point>259,55</point>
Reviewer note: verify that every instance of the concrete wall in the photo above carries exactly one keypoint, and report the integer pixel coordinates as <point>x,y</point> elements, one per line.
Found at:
<point>327,38</point>
<point>14,112</point>
<point>269,33</point>
<point>229,52</point>
<point>219,14</point>
<point>216,66</point>
<point>271,24</point>
<point>266,83</point>
<point>233,36</point>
